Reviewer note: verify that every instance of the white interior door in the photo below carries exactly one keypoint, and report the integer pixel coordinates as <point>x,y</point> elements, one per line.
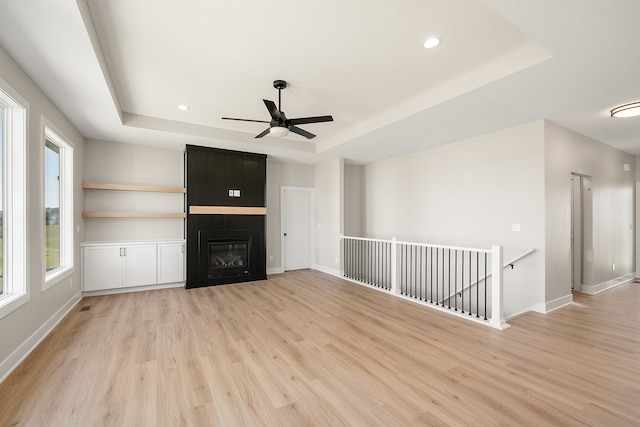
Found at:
<point>297,219</point>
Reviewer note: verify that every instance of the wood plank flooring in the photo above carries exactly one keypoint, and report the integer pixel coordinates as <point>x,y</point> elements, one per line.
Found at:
<point>307,349</point>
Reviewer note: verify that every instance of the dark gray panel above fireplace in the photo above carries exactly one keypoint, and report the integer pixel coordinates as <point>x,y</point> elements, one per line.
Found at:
<point>215,177</point>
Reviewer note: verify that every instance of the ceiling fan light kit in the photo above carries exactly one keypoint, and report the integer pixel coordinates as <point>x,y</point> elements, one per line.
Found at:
<point>627,110</point>
<point>280,125</point>
<point>278,131</point>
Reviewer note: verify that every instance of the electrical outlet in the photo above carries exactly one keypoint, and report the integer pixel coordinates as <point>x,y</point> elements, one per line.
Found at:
<point>515,227</point>
<point>270,258</point>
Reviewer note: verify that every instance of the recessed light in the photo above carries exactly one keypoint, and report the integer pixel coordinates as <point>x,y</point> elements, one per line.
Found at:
<point>627,110</point>
<point>432,42</point>
<point>182,107</point>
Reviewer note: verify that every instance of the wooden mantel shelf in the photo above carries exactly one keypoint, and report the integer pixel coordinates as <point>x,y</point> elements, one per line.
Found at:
<point>133,215</point>
<point>126,187</point>
<point>226,210</point>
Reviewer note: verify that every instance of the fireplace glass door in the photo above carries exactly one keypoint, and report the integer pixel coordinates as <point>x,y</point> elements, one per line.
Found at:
<point>229,257</point>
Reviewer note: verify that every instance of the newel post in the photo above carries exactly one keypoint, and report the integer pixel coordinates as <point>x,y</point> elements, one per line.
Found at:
<point>395,288</point>
<point>497,289</point>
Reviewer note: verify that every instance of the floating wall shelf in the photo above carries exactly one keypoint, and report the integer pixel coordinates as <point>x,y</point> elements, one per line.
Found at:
<point>125,187</point>
<point>133,214</point>
<point>141,188</point>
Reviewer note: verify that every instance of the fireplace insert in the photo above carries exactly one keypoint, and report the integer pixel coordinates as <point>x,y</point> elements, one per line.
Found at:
<point>228,257</point>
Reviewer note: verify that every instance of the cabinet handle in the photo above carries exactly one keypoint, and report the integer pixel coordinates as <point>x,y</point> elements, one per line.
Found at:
<point>125,251</point>
<point>120,251</point>
<point>182,248</point>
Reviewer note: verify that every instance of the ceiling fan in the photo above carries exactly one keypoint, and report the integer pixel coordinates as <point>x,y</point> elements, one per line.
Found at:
<point>280,125</point>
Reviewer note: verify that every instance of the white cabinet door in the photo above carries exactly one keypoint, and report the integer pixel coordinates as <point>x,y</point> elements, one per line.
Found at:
<point>139,265</point>
<point>170,262</point>
<point>102,267</point>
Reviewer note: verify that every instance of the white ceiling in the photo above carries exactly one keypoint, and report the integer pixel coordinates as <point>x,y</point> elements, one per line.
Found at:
<point>119,68</point>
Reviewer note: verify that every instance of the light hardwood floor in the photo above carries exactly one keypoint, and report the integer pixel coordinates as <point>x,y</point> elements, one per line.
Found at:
<point>304,348</point>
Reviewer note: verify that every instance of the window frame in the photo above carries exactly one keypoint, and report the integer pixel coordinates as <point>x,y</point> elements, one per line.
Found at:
<point>66,221</point>
<point>15,111</point>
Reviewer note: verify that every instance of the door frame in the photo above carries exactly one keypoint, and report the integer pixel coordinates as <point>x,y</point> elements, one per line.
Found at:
<point>312,220</point>
<point>586,250</point>
<point>577,233</point>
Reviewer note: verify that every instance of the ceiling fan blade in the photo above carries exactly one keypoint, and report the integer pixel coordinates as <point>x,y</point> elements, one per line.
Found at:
<point>263,133</point>
<point>306,120</point>
<point>245,120</point>
<point>302,132</point>
<point>273,110</point>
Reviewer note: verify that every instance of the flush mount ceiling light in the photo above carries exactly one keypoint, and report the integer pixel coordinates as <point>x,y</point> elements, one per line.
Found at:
<point>627,110</point>
<point>432,42</point>
<point>182,107</point>
<point>278,131</point>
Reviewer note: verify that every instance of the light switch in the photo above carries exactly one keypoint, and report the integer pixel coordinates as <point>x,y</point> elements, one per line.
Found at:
<point>236,193</point>
<point>230,193</point>
<point>515,227</point>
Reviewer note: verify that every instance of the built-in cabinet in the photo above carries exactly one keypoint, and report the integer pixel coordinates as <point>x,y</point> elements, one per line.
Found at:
<point>113,265</point>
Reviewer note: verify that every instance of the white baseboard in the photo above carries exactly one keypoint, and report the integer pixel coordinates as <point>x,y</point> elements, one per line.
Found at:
<point>132,289</point>
<point>11,363</point>
<point>327,270</point>
<point>275,270</point>
<point>558,303</point>
<point>595,289</point>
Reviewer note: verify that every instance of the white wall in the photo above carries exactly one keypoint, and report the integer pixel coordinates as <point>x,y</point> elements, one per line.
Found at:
<point>613,208</point>
<point>354,196</point>
<point>120,163</point>
<point>281,174</point>
<point>22,328</point>
<point>469,193</point>
<point>329,214</point>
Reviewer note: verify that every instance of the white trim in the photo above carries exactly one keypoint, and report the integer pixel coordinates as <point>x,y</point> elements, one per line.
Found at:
<point>328,270</point>
<point>66,208</point>
<point>549,306</point>
<point>312,196</point>
<point>9,364</point>
<point>133,289</point>
<point>275,270</point>
<point>596,289</point>
<point>15,184</point>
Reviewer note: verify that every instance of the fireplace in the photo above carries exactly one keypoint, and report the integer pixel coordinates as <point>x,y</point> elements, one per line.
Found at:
<point>225,227</point>
<point>229,257</point>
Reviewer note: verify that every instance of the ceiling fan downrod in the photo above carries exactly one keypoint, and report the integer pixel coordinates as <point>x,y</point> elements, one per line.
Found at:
<point>279,84</point>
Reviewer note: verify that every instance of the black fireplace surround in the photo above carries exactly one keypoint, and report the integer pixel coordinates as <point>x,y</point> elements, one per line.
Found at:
<point>224,249</point>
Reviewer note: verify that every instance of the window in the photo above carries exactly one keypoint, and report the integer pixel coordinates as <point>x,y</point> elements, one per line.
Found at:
<point>1,201</point>
<point>52,205</point>
<point>58,205</point>
<point>13,237</point>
